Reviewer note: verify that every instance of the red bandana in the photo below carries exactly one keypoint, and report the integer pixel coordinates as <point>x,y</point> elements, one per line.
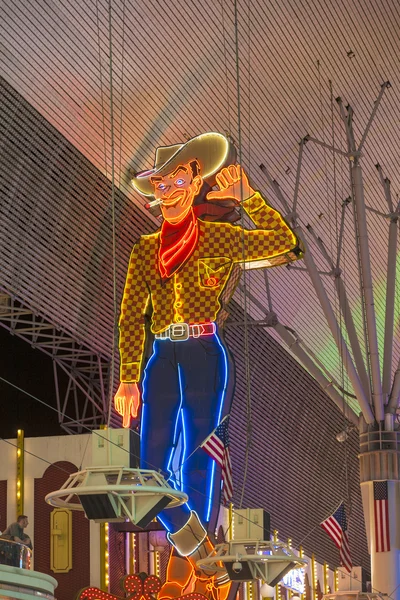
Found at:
<point>177,244</point>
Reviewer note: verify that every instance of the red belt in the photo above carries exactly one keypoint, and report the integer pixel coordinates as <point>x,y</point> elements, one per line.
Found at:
<point>180,332</point>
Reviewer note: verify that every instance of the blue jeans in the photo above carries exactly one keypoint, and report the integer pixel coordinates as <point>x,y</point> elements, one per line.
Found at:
<point>187,390</point>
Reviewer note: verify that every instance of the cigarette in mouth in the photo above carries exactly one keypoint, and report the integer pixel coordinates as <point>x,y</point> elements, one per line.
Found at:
<point>153,203</point>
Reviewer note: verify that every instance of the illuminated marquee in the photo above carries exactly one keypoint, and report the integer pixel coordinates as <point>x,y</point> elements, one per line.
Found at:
<point>295,580</point>
<point>137,587</point>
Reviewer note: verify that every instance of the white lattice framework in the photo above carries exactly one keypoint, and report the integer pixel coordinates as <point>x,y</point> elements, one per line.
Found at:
<point>87,372</point>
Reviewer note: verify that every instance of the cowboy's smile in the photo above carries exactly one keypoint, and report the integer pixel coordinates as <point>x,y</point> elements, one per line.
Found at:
<point>173,198</point>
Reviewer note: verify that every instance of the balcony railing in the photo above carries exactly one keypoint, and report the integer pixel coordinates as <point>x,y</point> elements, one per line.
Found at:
<point>380,440</point>
<point>14,554</point>
<point>380,456</point>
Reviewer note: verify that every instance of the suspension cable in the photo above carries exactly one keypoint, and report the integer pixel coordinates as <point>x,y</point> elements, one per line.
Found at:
<point>122,91</point>
<point>114,263</point>
<point>226,66</point>
<point>245,307</point>
<point>103,120</point>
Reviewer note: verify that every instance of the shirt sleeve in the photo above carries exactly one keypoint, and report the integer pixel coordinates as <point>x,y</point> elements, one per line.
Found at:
<point>132,331</point>
<point>272,238</point>
<point>13,530</point>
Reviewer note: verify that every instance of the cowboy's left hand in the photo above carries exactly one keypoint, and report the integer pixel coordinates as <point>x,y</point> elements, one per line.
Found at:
<point>233,183</point>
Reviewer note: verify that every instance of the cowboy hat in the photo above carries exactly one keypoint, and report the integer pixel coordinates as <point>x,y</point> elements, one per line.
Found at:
<point>213,151</point>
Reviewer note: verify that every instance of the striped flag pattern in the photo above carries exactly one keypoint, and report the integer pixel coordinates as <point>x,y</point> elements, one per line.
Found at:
<point>336,527</point>
<point>217,446</point>
<point>381,506</point>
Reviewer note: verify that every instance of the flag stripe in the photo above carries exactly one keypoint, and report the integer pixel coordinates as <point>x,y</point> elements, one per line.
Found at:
<point>333,529</point>
<point>336,527</point>
<point>217,446</point>
<point>381,514</point>
<point>215,453</point>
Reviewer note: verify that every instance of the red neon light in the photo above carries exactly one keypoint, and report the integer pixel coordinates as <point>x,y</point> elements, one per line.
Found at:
<point>185,235</point>
<point>138,587</point>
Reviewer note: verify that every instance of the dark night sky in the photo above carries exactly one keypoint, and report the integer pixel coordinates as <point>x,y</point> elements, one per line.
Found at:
<point>32,371</point>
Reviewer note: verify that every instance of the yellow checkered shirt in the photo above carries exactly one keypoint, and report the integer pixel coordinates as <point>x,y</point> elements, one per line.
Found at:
<point>193,294</point>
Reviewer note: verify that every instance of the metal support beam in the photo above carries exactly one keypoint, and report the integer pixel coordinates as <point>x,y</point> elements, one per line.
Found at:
<point>363,246</point>
<point>384,85</point>
<point>345,204</point>
<point>309,138</point>
<point>275,186</point>
<point>352,333</point>
<point>297,184</point>
<point>335,330</point>
<point>308,363</point>
<point>394,400</point>
<point>346,312</point>
<point>294,344</point>
<point>368,291</point>
<point>87,372</point>
<point>327,309</point>
<point>390,295</point>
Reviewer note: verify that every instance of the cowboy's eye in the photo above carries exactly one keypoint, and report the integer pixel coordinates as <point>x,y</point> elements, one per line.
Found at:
<point>179,181</point>
<point>161,186</point>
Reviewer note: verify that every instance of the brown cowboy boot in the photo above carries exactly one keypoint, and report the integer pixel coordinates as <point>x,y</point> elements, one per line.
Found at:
<point>209,587</point>
<point>179,576</point>
<point>192,541</point>
<point>212,582</point>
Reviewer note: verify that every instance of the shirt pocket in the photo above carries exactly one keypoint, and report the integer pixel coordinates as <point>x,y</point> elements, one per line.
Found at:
<point>213,271</point>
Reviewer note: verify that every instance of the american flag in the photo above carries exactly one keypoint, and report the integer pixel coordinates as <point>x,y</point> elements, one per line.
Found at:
<point>381,506</point>
<point>217,446</point>
<point>336,527</point>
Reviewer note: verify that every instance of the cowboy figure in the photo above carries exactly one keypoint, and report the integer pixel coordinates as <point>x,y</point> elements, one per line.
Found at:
<point>180,279</point>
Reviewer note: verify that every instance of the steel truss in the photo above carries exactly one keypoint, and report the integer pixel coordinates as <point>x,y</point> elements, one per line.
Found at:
<point>377,394</point>
<point>377,397</point>
<point>83,404</point>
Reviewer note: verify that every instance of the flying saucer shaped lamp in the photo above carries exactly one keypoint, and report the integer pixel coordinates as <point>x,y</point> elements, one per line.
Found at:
<point>247,560</point>
<point>117,494</point>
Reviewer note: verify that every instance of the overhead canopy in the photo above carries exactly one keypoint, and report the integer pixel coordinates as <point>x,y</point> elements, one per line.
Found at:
<point>171,71</point>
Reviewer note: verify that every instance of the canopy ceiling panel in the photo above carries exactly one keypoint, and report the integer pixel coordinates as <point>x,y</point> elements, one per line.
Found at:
<point>167,71</point>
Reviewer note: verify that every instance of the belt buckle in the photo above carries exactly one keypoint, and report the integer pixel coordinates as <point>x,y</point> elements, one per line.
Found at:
<point>179,332</point>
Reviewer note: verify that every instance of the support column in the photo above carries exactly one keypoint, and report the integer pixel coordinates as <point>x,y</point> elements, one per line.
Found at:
<point>380,462</point>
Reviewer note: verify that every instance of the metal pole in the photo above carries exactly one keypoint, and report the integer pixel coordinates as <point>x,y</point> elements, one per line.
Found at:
<point>309,138</point>
<point>352,333</point>
<point>327,308</point>
<point>389,315</point>
<point>297,184</point>
<point>345,203</point>
<point>395,395</point>
<point>337,334</point>
<point>376,105</point>
<point>267,289</point>
<point>326,385</point>
<point>275,185</point>
<point>368,291</point>
<point>346,312</point>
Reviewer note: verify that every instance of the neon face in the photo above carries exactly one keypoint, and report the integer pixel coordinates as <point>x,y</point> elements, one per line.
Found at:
<point>176,191</point>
